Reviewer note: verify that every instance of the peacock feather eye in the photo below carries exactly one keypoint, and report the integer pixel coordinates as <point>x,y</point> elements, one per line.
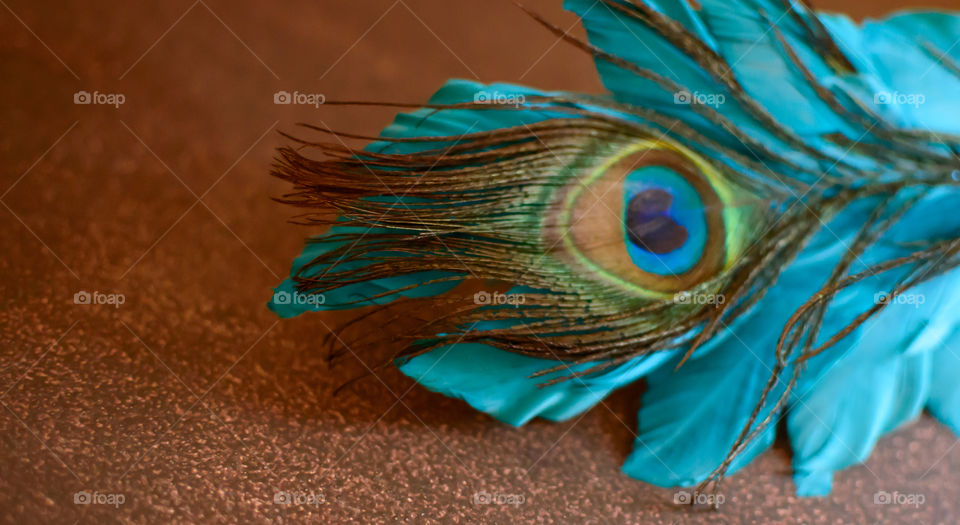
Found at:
<point>654,218</point>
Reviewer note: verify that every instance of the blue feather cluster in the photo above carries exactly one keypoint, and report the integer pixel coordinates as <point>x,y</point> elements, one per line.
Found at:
<point>878,377</point>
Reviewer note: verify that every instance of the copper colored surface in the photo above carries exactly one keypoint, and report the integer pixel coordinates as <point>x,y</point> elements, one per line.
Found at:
<point>190,400</point>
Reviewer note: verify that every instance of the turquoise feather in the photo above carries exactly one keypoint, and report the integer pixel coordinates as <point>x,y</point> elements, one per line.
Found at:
<point>869,383</point>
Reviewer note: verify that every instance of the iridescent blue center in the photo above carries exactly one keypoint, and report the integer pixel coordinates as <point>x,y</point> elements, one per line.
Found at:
<point>650,227</point>
<point>664,224</point>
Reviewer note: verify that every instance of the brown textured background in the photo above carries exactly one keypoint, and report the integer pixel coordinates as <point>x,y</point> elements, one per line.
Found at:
<point>190,399</point>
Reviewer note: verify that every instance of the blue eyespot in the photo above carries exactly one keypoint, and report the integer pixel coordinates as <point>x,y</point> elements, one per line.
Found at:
<point>665,227</point>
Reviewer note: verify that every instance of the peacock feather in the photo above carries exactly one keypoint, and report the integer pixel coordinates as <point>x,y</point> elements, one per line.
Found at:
<point>758,220</point>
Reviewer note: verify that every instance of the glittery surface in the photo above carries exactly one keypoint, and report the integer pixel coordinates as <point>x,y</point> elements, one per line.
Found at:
<point>189,401</point>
